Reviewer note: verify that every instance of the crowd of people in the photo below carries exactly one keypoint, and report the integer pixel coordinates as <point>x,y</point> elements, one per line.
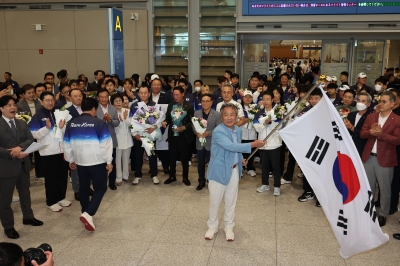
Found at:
<point>98,148</point>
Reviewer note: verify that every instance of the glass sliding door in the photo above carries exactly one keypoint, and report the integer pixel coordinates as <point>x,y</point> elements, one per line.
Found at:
<point>336,57</point>
<point>368,58</point>
<point>254,58</point>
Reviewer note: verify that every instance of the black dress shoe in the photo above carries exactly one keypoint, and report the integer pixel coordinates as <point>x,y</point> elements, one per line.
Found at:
<point>396,236</point>
<point>382,221</point>
<point>91,192</point>
<point>200,186</point>
<point>186,182</point>
<point>112,187</point>
<point>170,180</point>
<point>76,196</point>
<point>11,233</point>
<point>32,221</point>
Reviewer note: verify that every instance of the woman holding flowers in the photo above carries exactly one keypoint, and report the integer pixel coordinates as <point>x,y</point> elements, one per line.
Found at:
<point>124,140</point>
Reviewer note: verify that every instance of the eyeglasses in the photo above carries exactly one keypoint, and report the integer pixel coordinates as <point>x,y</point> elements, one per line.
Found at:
<point>382,102</point>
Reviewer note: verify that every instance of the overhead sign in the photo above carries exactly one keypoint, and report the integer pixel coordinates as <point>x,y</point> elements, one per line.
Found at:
<point>116,42</point>
<point>294,47</point>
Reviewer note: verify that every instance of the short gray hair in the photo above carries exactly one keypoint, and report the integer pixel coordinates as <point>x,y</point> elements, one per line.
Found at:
<point>369,98</point>
<point>227,85</point>
<point>392,97</point>
<point>229,105</point>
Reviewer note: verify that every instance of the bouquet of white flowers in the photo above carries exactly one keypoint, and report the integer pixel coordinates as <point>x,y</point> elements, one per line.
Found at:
<point>200,125</point>
<point>24,116</point>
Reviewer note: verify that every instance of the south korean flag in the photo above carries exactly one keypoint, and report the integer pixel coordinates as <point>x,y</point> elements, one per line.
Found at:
<point>329,160</point>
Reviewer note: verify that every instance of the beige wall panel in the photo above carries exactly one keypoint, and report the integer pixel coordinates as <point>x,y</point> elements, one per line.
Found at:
<point>59,33</point>
<point>91,30</point>
<point>28,66</point>
<point>135,32</point>
<point>136,61</point>
<point>4,66</point>
<point>3,39</point>
<point>90,61</point>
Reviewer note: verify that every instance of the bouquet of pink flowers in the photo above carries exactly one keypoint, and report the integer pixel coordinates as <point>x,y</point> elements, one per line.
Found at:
<point>147,117</point>
<point>200,125</point>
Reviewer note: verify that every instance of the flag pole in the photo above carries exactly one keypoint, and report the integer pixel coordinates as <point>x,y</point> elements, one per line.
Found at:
<point>285,118</point>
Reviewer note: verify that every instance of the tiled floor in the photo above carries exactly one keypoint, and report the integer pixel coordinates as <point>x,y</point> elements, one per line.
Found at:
<point>165,225</point>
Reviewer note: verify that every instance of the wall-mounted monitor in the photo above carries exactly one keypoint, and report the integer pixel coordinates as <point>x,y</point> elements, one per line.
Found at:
<point>319,7</point>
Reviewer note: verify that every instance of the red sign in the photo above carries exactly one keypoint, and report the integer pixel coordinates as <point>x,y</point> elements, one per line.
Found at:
<point>40,51</point>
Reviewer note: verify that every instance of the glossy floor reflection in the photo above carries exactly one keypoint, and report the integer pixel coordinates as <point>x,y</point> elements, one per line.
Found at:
<point>165,224</point>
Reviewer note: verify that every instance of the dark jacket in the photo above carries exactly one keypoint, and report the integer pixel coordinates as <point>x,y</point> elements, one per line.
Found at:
<point>358,141</point>
<point>186,121</point>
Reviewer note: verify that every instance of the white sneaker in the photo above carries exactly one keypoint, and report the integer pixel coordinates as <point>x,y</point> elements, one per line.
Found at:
<point>300,175</point>
<point>263,188</point>
<point>155,180</point>
<point>256,159</point>
<point>87,220</point>
<point>210,234</point>
<point>230,236</point>
<point>15,198</point>
<point>252,173</point>
<point>190,163</point>
<point>64,203</point>
<point>136,180</point>
<point>283,181</point>
<point>277,191</point>
<point>55,208</point>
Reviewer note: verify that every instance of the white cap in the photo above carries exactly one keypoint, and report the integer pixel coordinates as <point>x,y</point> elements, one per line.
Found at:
<point>344,87</point>
<point>328,78</point>
<point>362,75</point>
<point>154,76</point>
<point>334,78</point>
<point>247,92</point>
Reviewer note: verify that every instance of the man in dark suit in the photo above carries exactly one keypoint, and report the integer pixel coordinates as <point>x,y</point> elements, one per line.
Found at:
<point>180,135</point>
<point>157,95</point>
<point>203,152</point>
<point>382,131</point>
<point>15,137</point>
<point>49,77</point>
<point>355,121</point>
<point>98,74</point>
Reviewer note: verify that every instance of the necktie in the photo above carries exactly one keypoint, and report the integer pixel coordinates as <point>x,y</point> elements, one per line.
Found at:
<point>13,128</point>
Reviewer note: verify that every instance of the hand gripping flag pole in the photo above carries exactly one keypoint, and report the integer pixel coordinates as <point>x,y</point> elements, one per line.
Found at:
<point>286,117</point>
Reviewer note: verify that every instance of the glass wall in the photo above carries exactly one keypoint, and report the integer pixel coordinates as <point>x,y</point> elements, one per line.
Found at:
<point>368,58</point>
<point>255,58</point>
<point>170,36</point>
<point>217,39</point>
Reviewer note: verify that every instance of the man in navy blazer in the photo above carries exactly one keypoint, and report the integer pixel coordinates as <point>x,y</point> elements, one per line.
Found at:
<point>225,168</point>
<point>355,121</point>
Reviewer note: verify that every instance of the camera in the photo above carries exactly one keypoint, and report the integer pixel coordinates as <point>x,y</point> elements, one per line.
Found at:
<point>36,254</point>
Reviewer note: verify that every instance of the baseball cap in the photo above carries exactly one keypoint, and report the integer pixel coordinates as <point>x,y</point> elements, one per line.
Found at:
<point>344,87</point>
<point>334,78</point>
<point>362,75</point>
<point>247,92</point>
<point>154,76</point>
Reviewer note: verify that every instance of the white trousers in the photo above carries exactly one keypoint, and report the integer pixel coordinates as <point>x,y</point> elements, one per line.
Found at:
<point>229,193</point>
<point>122,163</point>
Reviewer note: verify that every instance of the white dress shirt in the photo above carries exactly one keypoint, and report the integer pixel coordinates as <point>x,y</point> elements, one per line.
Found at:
<point>381,122</point>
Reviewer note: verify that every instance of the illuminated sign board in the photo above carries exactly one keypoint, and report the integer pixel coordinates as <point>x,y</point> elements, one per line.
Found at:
<point>318,7</point>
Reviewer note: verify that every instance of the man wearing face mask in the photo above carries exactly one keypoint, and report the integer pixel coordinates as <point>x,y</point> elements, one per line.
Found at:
<point>355,120</point>
<point>197,94</point>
